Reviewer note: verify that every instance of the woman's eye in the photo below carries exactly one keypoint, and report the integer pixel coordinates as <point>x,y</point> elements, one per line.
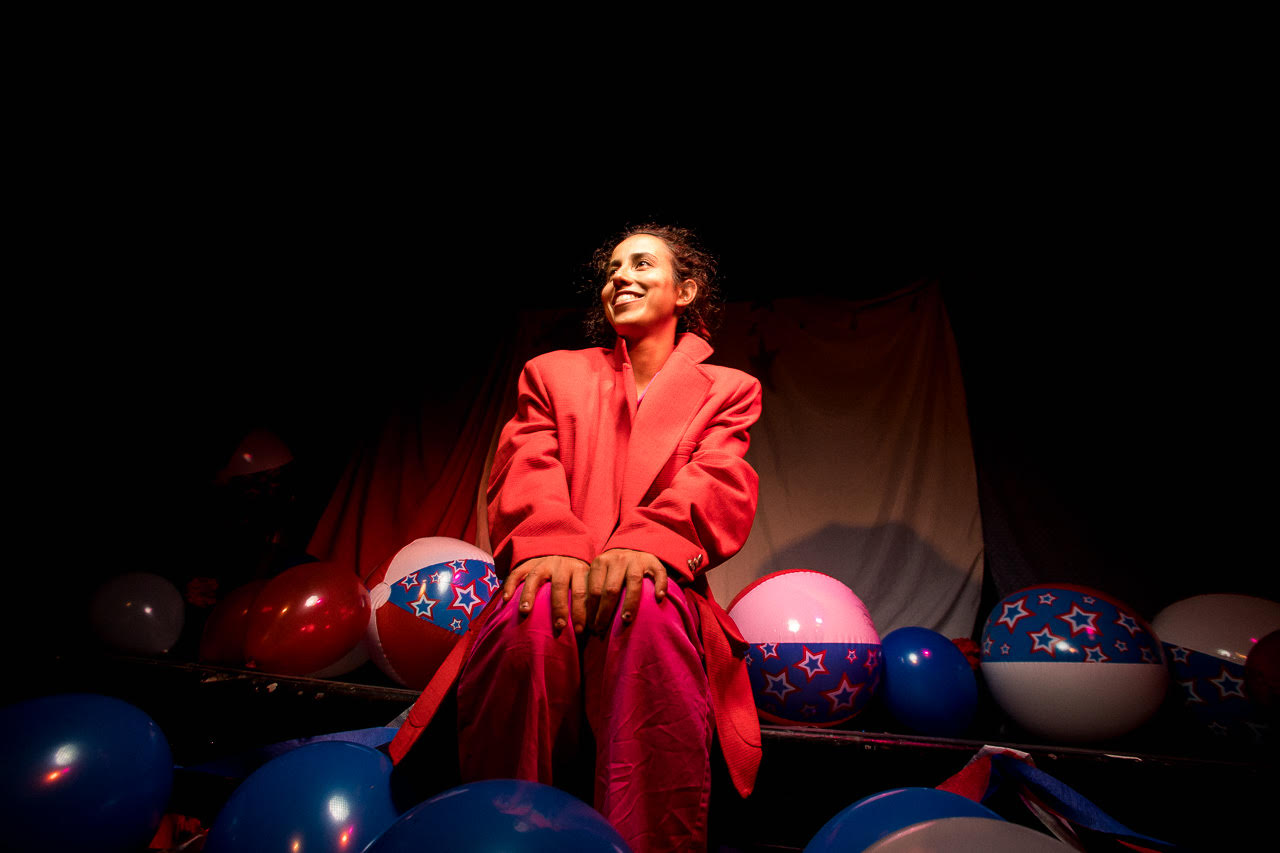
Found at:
<point>642,263</point>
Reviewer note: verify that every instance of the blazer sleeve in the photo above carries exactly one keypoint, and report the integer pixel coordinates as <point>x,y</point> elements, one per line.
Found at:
<point>530,513</point>
<point>704,515</point>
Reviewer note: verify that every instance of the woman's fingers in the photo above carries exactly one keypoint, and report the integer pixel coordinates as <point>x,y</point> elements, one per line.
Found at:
<point>560,577</point>
<point>532,581</point>
<point>614,570</point>
<point>634,579</point>
<point>620,573</point>
<point>578,606</point>
<point>587,596</point>
<point>514,579</point>
<point>659,575</point>
<point>595,589</point>
<point>642,565</point>
<point>562,573</point>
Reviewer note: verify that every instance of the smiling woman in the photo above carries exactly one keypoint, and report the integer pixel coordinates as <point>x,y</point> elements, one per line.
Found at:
<point>689,261</point>
<point>641,296</point>
<point>618,484</point>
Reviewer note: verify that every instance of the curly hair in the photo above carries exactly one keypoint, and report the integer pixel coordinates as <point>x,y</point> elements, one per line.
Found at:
<point>691,260</point>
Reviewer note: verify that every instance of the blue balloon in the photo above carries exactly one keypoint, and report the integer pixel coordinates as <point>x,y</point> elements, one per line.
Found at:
<point>872,818</point>
<point>929,685</point>
<point>328,796</point>
<point>81,772</point>
<point>501,814</point>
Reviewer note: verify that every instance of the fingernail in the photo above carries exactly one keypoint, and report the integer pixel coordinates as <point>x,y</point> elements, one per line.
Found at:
<point>524,605</point>
<point>626,617</point>
<point>559,624</point>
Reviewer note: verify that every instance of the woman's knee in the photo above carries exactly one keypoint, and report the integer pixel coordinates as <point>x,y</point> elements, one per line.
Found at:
<point>512,639</point>
<point>659,627</point>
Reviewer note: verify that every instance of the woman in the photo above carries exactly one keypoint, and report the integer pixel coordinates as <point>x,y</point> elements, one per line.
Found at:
<point>617,484</point>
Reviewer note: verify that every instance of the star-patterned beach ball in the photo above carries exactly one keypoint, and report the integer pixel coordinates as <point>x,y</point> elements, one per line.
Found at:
<point>1208,639</point>
<point>1071,664</point>
<point>814,657</point>
<point>424,598</point>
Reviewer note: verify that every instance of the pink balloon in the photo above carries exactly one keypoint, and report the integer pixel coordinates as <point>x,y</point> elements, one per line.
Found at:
<point>783,606</point>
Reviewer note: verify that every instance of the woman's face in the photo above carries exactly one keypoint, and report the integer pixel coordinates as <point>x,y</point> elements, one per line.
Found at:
<point>641,296</point>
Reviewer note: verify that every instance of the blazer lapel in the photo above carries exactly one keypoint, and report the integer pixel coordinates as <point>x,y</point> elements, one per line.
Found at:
<point>669,405</point>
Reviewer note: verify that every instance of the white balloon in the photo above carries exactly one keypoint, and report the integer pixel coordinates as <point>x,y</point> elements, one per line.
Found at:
<point>138,612</point>
<point>968,835</point>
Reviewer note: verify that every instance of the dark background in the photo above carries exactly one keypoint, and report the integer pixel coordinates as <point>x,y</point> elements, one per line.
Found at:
<point>1115,362</point>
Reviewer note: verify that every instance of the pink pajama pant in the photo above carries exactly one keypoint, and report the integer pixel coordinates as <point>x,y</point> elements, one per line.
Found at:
<point>646,699</point>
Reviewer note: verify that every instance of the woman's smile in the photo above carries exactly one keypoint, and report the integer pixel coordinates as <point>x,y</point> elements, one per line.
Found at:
<point>641,295</point>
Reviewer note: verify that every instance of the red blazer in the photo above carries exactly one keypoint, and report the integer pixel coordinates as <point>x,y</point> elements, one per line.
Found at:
<point>581,469</point>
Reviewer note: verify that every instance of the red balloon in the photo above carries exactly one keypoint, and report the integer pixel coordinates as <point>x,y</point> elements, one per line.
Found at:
<point>971,650</point>
<point>306,618</point>
<point>1262,673</point>
<point>224,631</point>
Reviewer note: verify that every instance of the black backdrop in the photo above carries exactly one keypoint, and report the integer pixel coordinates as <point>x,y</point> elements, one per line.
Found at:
<point>1117,385</point>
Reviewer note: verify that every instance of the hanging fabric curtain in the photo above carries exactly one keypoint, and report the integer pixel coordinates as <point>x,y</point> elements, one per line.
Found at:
<point>864,454</point>
<point>421,474</point>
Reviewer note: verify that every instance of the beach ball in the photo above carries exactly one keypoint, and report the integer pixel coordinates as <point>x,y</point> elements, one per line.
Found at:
<point>138,612</point>
<point>1071,664</point>
<point>424,598</point>
<point>81,772</point>
<point>307,619</point>
<point>1209,640</point>
<point>928,683</point>
<point>501,814</point>
<point>326,797</point>
<point>814,657</point>
<point>872,818</point>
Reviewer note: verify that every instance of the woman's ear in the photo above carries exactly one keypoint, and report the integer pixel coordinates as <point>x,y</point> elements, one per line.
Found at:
<point>688,292</point>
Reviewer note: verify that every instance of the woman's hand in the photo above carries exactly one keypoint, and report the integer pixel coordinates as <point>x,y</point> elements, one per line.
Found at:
<point>606,577</point>
<point>568,576</point>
